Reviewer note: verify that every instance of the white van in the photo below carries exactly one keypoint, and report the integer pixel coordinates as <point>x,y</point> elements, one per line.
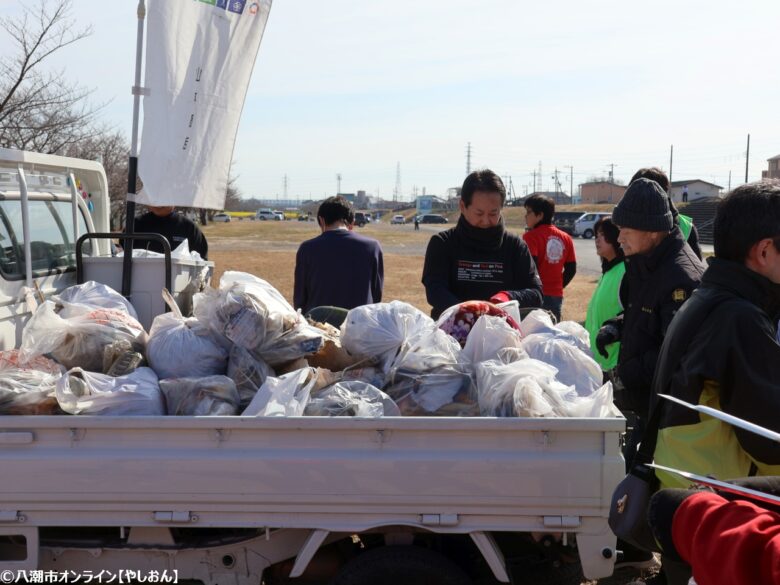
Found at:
<point>42,214</point>
<point>585,225</point>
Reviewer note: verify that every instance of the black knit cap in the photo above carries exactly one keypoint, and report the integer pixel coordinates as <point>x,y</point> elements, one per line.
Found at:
<point>645,207</point>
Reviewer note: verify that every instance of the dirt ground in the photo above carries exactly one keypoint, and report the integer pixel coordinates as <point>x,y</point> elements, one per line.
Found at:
<point>267,249</point>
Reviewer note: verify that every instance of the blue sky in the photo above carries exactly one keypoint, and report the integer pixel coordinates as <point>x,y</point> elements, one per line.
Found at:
<point>355,87</point>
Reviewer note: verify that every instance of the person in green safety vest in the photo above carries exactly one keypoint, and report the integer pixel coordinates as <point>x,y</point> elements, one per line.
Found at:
<point>605,302</point>
<point>685,223</point>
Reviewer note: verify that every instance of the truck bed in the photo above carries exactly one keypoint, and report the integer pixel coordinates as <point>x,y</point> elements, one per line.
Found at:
<point>456,475</point>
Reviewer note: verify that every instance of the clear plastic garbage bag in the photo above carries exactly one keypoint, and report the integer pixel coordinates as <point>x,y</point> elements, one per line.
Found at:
<point>574,366</point>
<point>28,387</point>
<point>351,398</point>
<point>207,396</point>
<point>137,394</point>
<point>379,330</point>
<point>492,338</point>
<point>248,372</point>
<point>76,335</point>
<point>446,391</point>
<point>426,350</point>
<point>254,315</point>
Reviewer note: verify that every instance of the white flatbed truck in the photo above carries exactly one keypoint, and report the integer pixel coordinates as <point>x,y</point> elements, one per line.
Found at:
<point>245,500</point>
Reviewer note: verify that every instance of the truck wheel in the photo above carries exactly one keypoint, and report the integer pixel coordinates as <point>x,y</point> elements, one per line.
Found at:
<point>587,234</point>
<point>394,565</point>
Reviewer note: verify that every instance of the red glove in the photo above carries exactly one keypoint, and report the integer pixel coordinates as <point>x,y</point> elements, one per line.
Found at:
<point>500,297</point>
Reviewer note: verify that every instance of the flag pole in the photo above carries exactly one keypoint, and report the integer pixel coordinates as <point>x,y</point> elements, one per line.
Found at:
<point>132,167</point>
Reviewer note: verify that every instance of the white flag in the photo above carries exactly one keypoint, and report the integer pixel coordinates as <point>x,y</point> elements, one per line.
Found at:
<point>199,58</point>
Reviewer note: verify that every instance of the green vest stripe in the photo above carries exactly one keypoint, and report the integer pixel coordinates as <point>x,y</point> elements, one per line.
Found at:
<point>686,225</point>
<point>605,304</point>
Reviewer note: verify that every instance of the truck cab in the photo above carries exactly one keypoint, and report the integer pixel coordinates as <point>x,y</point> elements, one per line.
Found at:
<point>44,208</point>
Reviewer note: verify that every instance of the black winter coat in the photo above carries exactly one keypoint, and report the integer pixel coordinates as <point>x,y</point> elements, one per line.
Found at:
<point>654,288</point>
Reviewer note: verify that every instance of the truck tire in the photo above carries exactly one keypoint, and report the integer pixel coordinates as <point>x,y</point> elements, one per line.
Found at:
<point>395,565</point>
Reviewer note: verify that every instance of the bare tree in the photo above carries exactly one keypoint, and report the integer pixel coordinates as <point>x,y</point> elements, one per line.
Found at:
<point>110,148</point>
<point>41,110</point>
<point>233,194</point>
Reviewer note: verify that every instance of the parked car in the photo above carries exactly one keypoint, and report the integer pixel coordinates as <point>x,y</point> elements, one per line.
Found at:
<point>398,219</point>
<point>266,214</point>
<point>279,215</point>
<point>221,217</point>
<point>433,218</point>
<point>303,217</point>
<point>584,226</point>
<point>362,218</point>
<point>564,220</point>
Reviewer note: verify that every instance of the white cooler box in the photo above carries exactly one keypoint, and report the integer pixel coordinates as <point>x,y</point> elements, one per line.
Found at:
<point>187,278</point>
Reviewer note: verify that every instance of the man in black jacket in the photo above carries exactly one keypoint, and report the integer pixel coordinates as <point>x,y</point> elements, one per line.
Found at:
<point>665,272</point>
<point>723,349</point>
<point>478,259</point>
<point>175,227</point>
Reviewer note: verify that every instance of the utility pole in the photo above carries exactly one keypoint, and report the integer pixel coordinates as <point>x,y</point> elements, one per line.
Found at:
<point>557,184</point>
<point>539,186</point>
<point>729,180</point>
<point>468,159</point>
<point>338,183</point>
<point>534,173</point>
<point>397,190</point>
<point>747,159</point>
<point>571,181</point>
<point>671,162</point>
<point>285,187</point>
<point>612,172</point>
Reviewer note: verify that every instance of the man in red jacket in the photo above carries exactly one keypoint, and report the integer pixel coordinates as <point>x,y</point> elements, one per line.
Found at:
<point>551,249</point>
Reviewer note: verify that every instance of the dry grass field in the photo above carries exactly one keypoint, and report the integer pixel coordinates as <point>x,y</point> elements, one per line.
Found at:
<point>267,249</point>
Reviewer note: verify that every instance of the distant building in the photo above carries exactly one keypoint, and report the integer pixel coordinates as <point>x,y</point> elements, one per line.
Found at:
<point>697,189</point>
<point>601,192</point>
<point>774,168</point>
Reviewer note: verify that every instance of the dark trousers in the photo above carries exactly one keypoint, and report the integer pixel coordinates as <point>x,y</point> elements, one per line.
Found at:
<point>554,305</point>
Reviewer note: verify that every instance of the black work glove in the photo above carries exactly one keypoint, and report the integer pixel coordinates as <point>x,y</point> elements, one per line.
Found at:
<point>660,514</point>
<point>607,335</point>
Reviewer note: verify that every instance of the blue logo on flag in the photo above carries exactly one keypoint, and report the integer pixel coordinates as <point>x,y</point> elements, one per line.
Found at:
<point>236,6</point>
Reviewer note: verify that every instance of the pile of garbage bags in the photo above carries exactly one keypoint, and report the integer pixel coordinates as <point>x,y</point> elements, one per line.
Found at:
<point>247,352</point>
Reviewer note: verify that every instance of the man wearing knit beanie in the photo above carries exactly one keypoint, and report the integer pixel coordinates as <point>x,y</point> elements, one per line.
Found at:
<point>665,272</point>
<point>661,273</point>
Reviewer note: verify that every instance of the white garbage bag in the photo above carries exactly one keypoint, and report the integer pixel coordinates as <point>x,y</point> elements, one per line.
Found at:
<point>254,315</point>
<point>351,398</point>
<point>207,396</point>
<point>28,387</point>
<point>93,295</point>
<point>76,335</point>
<point>528,388</point>
<point>379,330</point>
<point>184,348</point>
<point>575,367</point>
<point>286,395</point>
<point>137,394</point>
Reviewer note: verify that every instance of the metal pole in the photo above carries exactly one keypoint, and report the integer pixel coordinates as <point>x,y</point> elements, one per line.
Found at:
<point>132,166</point>
<point>25,226</point>
<point>74,195</point>
<point>747,159</point>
